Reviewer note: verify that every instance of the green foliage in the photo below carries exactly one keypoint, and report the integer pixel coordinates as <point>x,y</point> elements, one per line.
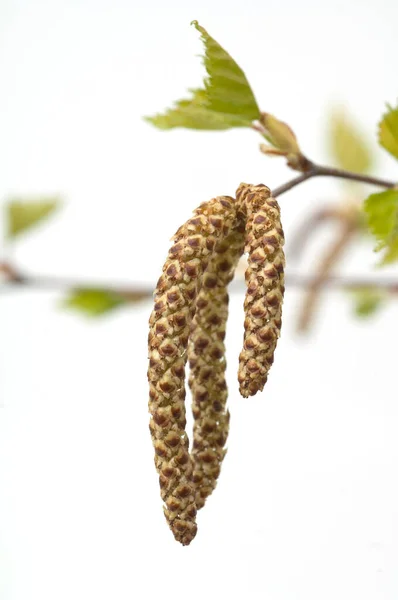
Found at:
<point>382,215</point>
<point>347,145</point>
<point>367,301</point>
<point>93,302</point>
<point>225,101</point>
<point>193,114</point>
<point>388,131</point>
<point>21,215</point>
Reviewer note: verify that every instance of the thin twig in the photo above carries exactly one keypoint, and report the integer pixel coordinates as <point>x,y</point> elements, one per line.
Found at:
<point>320,171</point>
<point>301,236</point>
<point>332,256</point>
<point>134,291</point>
<point>292,183</point>
<point>341,174</point>
<point>344,282</point>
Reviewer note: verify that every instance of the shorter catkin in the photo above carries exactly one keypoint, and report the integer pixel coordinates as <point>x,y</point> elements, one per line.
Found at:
<point>265,285</point>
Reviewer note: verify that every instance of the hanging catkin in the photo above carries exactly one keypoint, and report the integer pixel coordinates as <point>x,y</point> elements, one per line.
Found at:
<point>189,322</point>
<point>206,354</point>
<point>170,322</point>
<point>265,285</point>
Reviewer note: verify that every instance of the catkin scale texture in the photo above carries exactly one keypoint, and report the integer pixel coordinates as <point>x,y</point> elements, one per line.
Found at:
<point>170,325</point>
<point>206,354</point>
<point>265,285</point>
<point>188,322</point>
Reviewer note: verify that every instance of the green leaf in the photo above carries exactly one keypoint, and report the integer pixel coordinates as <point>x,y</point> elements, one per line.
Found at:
<point>22,214</point>
<point>93,302</point>
<point>388,131</point>
<point>225,101</point>
<point>367,301</point>
<point>382,217</point>
<point>227,89</point>
<point>191,114</point>
<point>348,145</point>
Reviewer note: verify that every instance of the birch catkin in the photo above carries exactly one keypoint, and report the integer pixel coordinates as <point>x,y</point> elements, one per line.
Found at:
<point>189,322</point>
<point>206,354</point>
<point>265,285</point>
<point>170,322</point>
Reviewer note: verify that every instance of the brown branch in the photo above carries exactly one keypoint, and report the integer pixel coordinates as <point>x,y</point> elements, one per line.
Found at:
<point>341,174</point>
<point>333,255</point>
<point>301,235</point>
<point>292,183</point>
<point>13,278</point>
<point>309,169</point>
<point>315,170</point>
<point>342,282</point>
<point>135,291</point>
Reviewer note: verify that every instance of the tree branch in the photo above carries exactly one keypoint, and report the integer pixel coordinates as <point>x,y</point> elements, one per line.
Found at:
<point>292,183</point>
<point>135,292</point>
<point>315,170</point>
<point>12,278</point>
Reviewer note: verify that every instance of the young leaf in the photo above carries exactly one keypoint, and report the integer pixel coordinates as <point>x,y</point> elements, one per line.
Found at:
<point>382,216</point>
<point>227,88</point>
<point>22,215</point>
<point>367,301</point>
<point>93,302</point>
<point>280,135</point>
<point>347,144</point>
<point>225,101</point>
<point>192,114</point>
<point>388,131</point>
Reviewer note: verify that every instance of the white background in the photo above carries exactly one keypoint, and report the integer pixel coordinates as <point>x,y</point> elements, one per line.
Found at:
<point>306,505</point>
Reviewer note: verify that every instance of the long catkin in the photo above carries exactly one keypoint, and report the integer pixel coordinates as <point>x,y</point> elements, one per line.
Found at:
<point>170,323</point>
<point>189,322</point>
<point>206,354</point>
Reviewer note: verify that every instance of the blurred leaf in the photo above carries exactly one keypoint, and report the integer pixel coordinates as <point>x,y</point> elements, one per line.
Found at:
<point>382,216</point>
<point>388,131</point>
<point>22,214</point>
<point>348,145</point>
<point>93,302</point>
<point>225,101</point>
<point>367,301</point>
